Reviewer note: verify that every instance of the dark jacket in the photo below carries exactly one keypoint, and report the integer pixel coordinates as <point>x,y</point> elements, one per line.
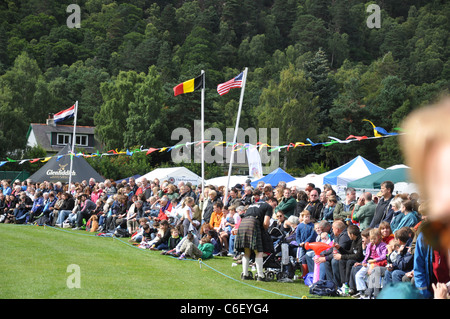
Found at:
<point>209,209</point>
<point>164,238</point>
<point>300,206</point>
<point>89,206</point>
<point>343,240</point>
<point>355,252</point>
<point>68,204</point>
<point>314,208</point>
<point>383,211</point>
<point>404,260</point>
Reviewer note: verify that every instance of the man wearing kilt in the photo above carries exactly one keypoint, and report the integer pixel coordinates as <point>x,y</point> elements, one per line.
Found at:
<point>252,235</point>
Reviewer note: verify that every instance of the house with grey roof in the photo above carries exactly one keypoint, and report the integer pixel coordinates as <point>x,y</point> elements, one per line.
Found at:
<point>53,137</point>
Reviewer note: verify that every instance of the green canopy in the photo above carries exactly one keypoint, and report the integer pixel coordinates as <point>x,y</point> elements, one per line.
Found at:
<point>373,181</point>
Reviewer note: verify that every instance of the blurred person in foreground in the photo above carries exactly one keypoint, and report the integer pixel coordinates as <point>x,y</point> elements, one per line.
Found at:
<point>426,146</point>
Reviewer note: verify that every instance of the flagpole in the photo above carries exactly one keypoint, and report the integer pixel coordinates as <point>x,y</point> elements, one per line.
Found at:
<point>203,132</point>
<point>244,80</point>
<point>73,143</point>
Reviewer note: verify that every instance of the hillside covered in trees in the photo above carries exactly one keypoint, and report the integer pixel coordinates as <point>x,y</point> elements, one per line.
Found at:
<point>316,69</point>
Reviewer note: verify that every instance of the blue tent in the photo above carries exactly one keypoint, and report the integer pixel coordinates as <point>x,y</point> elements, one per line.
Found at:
<point>357,168</point>
<point>274,178</point>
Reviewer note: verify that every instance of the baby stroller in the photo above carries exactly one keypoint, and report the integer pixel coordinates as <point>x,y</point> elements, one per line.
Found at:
<point>279,265</point>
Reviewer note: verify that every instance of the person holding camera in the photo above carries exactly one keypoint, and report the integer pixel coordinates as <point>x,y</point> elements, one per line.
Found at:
<point>364,210</point>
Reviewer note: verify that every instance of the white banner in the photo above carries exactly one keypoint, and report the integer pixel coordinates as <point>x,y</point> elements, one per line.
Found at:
<point>254,162</point>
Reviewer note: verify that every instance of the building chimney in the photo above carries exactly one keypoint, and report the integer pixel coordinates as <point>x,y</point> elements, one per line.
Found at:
<point>50,120</point>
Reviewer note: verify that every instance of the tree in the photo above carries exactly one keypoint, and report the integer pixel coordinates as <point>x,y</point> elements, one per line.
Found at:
<point>145,121</point>
<point>322,86</point>
<point>290,106</point>
<point>117,95</point>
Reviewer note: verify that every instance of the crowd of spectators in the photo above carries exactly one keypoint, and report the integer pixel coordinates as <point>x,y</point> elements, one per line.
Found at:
<point>375,240</point>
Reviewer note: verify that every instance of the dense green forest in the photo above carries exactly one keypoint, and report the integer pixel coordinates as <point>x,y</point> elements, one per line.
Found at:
<point>316,69</point>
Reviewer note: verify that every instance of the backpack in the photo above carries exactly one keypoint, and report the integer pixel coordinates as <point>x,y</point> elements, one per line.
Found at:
<point>324,288</point>
<point>121,232</point>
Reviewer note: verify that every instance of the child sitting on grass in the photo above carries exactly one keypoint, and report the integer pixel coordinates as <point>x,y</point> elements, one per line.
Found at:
<point>203,251</point>
<point>174,239</point>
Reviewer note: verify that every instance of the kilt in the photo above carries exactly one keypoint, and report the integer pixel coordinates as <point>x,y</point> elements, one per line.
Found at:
<point>251,235</point>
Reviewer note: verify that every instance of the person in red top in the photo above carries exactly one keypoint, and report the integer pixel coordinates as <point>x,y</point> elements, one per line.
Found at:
<point>166,206</point>
<point>386,232</point>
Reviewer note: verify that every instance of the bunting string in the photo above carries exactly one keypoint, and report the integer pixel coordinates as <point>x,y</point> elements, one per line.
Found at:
<point>379,132</point>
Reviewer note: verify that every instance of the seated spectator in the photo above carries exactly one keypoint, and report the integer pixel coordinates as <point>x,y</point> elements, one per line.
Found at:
<point>162,237</point>
<point>135,213</point>
<point>400,259</point>
<point>364,211</point>
<point>216,216</point>
<point>314,205</point>
<point>188,248</point>
<point>165,207</point>
<point>329,266</point>
<point>65,209</point>
<point>347,258</point>
<point>386,232</point>
<point>407,218</point>
<point>376,252</point>
<point>38,206</point>
<point>173,240</point>
<point>87,207</point>
<point>304,233</point>
<point>302,201</point>
<point>329,209</point>
<point>344,208</point>
<point>287,203</point>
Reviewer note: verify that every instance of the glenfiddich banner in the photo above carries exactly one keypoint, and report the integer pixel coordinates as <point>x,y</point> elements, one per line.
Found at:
<point>58,169</point>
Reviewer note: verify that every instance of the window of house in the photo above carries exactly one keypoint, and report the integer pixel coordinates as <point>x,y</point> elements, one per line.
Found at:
<point>63,139</point>
<point>81,140</point>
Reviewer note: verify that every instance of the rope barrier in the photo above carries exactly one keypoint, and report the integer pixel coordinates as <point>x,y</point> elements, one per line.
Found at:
<point>200,261</point>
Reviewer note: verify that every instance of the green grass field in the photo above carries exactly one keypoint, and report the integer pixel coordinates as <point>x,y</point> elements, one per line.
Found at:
<point>35,260</point>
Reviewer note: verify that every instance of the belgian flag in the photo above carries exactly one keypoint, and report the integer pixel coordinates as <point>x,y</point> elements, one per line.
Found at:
<point>190,85</point>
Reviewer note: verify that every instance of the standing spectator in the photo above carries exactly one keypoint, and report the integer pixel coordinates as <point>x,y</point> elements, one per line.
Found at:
<point>252,235</point>
<point>384,211</point>
<point>187,216</point>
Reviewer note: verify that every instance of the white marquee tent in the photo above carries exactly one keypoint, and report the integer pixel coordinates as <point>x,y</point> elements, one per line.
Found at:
<point>172,174</point>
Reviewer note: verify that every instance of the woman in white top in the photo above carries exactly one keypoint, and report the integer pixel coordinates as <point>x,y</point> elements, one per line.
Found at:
<point>187,214</point>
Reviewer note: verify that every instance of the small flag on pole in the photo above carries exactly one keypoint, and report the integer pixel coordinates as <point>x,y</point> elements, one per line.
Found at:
<point>65,114</point>
<point>189,86</point>
<point>236,82</point>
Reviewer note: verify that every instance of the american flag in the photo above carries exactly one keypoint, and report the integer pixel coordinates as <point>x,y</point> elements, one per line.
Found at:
<point>225,87</point>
